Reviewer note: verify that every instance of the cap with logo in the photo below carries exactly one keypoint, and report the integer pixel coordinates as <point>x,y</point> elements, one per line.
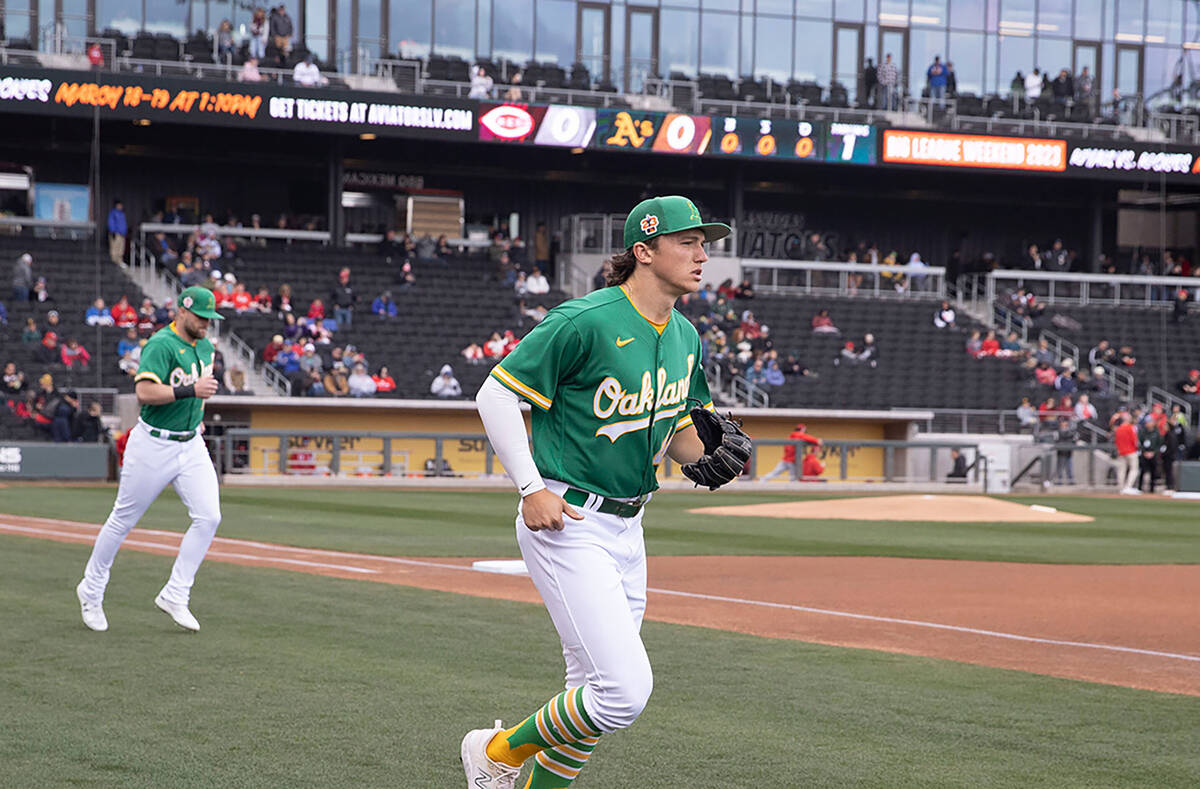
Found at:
<point>200,301</point>
<point>661,215</point>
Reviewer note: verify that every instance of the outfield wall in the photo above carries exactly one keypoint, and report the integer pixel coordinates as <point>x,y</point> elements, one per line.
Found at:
<point>470,455</point>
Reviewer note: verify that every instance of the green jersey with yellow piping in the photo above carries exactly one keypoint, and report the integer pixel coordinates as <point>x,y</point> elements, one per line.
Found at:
<point>169,359</point>
<point>609,389</point>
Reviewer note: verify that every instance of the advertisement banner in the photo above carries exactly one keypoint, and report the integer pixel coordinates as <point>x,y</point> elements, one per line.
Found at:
<point>556,125</point>
<point>627,130</point>
<point>262,105</point>
<point>762,137</point>
<point>1131,159</point>
<point>971,150</point>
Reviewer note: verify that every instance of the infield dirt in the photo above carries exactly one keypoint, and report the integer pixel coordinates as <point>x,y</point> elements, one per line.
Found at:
<point>924,508</point>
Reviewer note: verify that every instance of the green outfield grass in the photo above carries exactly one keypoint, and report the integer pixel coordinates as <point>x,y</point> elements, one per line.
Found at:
<point>304,681</point>
<point>426,523</point>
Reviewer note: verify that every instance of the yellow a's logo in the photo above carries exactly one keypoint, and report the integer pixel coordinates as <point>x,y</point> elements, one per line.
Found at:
<point>627,131</point>
<point>694,216</point>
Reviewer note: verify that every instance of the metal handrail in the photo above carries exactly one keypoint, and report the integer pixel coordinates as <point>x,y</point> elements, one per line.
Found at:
<point>1085,282</point>
<point>1121,380</point>
<point>750,394</point>
<point>1008,321</point>
<point>1063,348</point>
<point>876,272</point>
<point>274,378</point>
<point>1158,395</point>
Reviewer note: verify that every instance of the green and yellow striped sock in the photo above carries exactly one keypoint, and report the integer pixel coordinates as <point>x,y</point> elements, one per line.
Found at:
<point>562,721</point>
<point>556,768</point>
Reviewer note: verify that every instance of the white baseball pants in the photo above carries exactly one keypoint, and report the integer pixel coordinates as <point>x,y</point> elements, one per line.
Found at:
<point>150,465</point>
<point>592,578</point>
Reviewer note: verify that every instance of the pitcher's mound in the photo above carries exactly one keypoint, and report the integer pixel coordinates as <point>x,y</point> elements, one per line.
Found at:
<point>956,509</point>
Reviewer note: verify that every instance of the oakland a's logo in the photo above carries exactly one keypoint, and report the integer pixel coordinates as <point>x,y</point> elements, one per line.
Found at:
<point>649,224</point>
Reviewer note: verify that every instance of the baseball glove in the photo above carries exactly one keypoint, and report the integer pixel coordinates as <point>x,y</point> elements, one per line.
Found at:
<point>726,449</point>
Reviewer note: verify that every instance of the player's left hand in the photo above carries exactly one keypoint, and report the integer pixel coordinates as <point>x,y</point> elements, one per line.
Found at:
<point>726,449</point>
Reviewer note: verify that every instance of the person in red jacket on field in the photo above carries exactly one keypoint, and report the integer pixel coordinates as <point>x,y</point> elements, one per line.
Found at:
<point>1126,439</point>
<point>812,468</point>
<point>788,463</point>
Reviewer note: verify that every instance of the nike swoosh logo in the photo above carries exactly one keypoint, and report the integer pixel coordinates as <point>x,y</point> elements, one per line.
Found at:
<point>527,484</point>
<point>622,343</point>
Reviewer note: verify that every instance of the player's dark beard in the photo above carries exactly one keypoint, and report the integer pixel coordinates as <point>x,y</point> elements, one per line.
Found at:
<point>190,329</point>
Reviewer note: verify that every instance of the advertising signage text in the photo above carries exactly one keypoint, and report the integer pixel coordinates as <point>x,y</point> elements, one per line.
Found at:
<point>970,150</point>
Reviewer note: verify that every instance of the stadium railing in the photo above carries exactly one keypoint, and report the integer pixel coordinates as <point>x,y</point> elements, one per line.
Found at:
<point>48,228</point>
<point>834,279</point>
<point>1156,395</point>
<point>270,233</point>
<point>1134,290</point>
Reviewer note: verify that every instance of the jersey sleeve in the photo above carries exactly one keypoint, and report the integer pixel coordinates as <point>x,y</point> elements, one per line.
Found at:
<point>155,363</point>
<point>549,353</point>
<point>698,389</point>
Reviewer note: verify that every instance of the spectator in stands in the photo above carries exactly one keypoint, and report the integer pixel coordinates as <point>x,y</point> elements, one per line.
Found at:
<point>262,301</point>
<point>260,28</point>
<point>23,277</point>
<point>281,28</point>
<point>98,314</point>
<point>64,416</point>
<point>473,353</point>
<point>31,334</point>
<point>1150,447</point>
<point>1084,410</point>
<point>1017,88</point>
<point>445,385</point>
<point>868,351</point>
<point>1033,261</point>
<point>225,41</point>
<point>1189,388</point>
<point>118,229</point>
<point>1027,416</point>
<point>536,314</point>
<point>75,355</point>
<point>494,347</point>
<point>249,71</point>
<point>274,347</point>
<point>52,321</point>
<point>48,353</point>
<point>958,467</point>
<point>14,383</point>
<point>343,298</point>
<point>757,374</point>
<point>1033,85</point>
<point>536,283</point>
<point>1010,346</point>
<point>335,381</point>
<point>1056,258</point>
<point>944,317</point>
<point>283,300</point>
<point>310,361</point>
<point>235,380</point>
<point>1045,374</point>
<point>1180,306</point>
<point>195,273</point>
<point>541,247</point>
<point>307,74</point>
<point>1063,88</point>
<point>935,76</point>
<point>405,278</point>
<point>1044,354</point>
<point>41,292</point>
<point>1064,466</point>
<point>316,310</point>
<point>481,84</point>
<point>811,468</point>
<point>889,82</point>
<point>88,427</point>
<point>361,384</point>
<point>822,323</point>
<point>1125,356</point>
<point>513,93</point>
<point>383,306</point>
<point>774,374</point>
<point>1102,352</point>
<point>990,345</point>
<point>443,250</point>
<point>975,344</point>
<point>870,83</point>
<point>1084,88</point>
<point>390,247</point>
<point>793,367</point>
<point>384,382</point>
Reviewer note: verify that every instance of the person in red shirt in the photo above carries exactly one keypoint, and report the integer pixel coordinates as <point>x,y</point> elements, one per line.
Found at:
<point>812,468</point>
<point>510,342</point>
<point>123,314</point>
<point>273,348</point>
<point>316,310</point>
<point>788,463</point>
<point>74,354</point>
<point>95,56</point>
<point>991,346</point>
<point>1126,439</point>
<point>262,302</point>
<point>383,381</point>
<point>241,298</point>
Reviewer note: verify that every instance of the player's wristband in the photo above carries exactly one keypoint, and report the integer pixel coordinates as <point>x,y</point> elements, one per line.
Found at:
<point>182,392</point>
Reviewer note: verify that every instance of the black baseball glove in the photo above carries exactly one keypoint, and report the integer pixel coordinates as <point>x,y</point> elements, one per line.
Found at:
<point>726,449</point>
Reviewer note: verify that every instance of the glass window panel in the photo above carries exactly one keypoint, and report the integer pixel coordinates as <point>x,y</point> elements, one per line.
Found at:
<point>747,45</point>
<point>1129,18</point>
<point>967,14</point>
<point>1016,56</point>
<point>966,54</point>
<point>1159,69</point>
<point>166,16</point>
<point>124,15</point>
<point>556,32</point>
<point>1054,17</point>
<point>316,28</point>
<point>844,10</point>
<point>1164,21</point>
<point>923,45</point>
<point>721,5</point>
<point>848,61</point>
<point>929,12</point>
<point>617,46</point>
<point>512,30</point>
<point>17,23</point>
<point>591,41</point>
<point>679,41</point>
<point>1087,22</point>
<point>483,31</point>
<point>718,49</point>
<point>454,28</point>
<point>1053,55</point>
<point>893,12</point>
<point>1128,65</point>
<point>1106,76</point>
<point>370,27</point>
<point>1017,15</point>
<point>345,47</point>
<point>814,52</point>
<point>773,49</point>
<point>641,49</point>
<point>781,7</point>
<point>409,26</point>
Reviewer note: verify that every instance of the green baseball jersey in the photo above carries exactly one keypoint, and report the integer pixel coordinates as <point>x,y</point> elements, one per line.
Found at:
<point>169,359</point>
<point>609,388</point>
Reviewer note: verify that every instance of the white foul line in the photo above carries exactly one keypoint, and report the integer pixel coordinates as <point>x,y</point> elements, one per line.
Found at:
<point>671,592</point>
<point>919,623</point>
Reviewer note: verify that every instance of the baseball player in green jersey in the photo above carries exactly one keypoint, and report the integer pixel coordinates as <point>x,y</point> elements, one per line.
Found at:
<point>609,377</point>
<point>174,378</point>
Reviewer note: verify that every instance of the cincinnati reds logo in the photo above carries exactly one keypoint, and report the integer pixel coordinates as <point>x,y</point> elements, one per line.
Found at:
<point>508,122</point>
<point>649,224</point>
<point>187,303</point>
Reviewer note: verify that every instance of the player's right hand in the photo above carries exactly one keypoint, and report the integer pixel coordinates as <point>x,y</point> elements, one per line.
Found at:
<point>206,387</point>
<point>545,510</point>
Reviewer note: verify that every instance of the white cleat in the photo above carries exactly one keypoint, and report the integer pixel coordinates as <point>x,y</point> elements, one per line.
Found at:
<point>177,611</point>
<point>93,613</point>
<point>482,772</point>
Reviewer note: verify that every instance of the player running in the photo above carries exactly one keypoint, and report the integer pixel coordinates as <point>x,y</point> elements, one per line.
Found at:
<point>610,376</point>
<point>174,378</point>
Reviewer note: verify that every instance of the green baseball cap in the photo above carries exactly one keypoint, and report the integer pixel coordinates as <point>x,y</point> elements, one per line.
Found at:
<point>661,215</point>
<point>200,301</point>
